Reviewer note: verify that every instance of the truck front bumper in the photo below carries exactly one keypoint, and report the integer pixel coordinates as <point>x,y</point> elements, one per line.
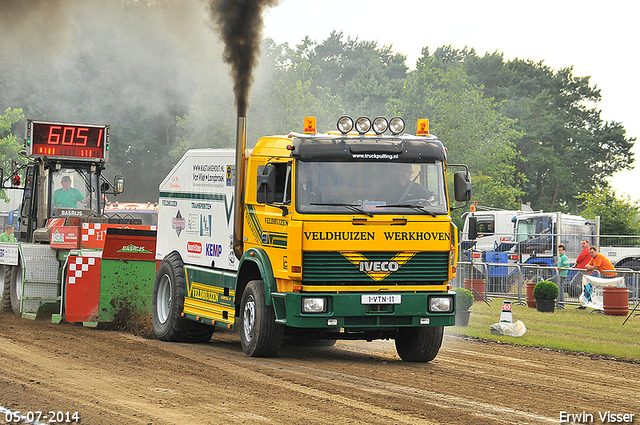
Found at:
<point>348,311</point>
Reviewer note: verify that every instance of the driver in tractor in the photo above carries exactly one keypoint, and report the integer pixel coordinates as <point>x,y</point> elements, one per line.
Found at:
<point>67,196</point>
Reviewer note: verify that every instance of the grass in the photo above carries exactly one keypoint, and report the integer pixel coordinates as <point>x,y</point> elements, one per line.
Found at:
<point>569,329</point>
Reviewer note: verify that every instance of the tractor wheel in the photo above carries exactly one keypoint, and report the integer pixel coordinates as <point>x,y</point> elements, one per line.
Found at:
<point>16,287</point>
<point>5,307</point>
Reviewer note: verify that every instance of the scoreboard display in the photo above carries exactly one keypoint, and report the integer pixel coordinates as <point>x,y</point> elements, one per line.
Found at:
<point>73,141</point>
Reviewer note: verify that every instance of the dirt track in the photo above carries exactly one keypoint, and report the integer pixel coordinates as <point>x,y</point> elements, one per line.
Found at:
<point>111,377</point>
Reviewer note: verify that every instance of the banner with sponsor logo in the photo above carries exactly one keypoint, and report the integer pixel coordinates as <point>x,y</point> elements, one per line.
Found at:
<point>592,289</point>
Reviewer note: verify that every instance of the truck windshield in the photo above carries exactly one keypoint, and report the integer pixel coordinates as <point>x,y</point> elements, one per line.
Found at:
<point>370,188</point>
<point>532,227</point>
<point>73,192</point>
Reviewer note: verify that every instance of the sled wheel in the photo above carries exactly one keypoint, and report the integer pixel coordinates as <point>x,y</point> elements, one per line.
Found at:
<point>260,335</point>
<point>419,344</point>
<point>168,303</point>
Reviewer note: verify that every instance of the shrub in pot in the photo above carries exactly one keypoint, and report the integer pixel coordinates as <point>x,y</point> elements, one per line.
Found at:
<point>545,293</point>
<point>464,301</point>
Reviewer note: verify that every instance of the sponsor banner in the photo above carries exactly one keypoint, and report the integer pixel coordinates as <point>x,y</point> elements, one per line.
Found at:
<point>130,247</point>
<point>63,237</point>
<point>9,254</point>
<point>593,287</point>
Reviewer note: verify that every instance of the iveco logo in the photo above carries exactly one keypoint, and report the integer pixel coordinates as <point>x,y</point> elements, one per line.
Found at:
<point>379,266</point>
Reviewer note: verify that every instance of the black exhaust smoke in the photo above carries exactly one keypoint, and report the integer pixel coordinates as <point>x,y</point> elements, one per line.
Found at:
<point>240,25</point>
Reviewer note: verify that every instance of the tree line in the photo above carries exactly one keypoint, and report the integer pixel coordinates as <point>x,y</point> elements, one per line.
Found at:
<point>529,134</point>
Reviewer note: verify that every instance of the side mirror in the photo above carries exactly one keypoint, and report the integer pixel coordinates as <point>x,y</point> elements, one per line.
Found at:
<point>462,186</point>
<point>266,193</point>
<point>118,184</point>
<point>473,228</point>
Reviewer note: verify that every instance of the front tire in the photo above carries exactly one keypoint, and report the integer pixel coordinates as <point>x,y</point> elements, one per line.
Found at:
<point>260,335</point>
<point>16,287</point>
<point>419,344</point>
<point>5,307</point>
<point>169,291</point>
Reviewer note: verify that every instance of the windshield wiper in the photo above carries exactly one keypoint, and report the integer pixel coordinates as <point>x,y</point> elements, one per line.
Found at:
<point>415,207</point>
<point>352,207</point>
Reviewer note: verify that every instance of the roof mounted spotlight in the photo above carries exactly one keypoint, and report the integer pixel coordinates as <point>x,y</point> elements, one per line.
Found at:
<point>396,125</point>
<point>345,124</point>
<point>363,124</point>
<point>380,125</point>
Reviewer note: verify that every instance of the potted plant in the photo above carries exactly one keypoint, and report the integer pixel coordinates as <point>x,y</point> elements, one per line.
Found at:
<point>464,301</point>
<point>545,293</point>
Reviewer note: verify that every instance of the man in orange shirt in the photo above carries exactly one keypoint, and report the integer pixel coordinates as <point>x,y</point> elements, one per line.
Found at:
<point>600,263</point>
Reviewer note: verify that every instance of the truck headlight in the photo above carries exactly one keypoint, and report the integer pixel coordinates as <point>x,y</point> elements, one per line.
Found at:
<point>440,304</point>
<point>314,305</point>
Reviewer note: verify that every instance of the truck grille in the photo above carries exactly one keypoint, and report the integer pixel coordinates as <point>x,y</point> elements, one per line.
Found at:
<point>333,268</point>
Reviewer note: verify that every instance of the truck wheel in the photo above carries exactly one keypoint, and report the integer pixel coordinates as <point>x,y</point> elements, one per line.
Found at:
<point>168,302</point>
<point>16,287</point>
<point>5,307</point>
<point>260,335</point>
<point>419,344</point>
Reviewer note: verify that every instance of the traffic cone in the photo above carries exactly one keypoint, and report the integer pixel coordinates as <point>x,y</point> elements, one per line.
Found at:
<point>506,316</point>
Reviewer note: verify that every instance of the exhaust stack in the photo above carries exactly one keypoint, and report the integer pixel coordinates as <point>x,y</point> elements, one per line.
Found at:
<point>238,203</point>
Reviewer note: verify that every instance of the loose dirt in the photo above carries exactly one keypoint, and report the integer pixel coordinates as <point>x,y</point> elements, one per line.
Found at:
<point>115,377</point>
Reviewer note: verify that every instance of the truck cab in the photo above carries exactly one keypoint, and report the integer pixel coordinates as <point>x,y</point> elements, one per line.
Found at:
<point>338,235</point>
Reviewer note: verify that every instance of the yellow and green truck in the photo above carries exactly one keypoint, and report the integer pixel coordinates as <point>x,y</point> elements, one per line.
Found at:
<point>316,236</point>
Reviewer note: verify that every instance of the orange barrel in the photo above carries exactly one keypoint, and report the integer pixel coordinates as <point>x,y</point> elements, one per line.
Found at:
<point>615,301</point>
<point>531,302</point>
<point>478,285</point>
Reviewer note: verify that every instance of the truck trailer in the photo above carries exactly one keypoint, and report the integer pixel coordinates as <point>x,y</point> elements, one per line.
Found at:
<point>306,236</point>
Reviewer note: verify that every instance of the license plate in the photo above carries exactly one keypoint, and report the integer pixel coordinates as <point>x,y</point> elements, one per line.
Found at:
<point>381,299</point>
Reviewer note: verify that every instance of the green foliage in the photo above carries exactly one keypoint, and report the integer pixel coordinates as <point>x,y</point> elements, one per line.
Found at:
<point>565,147</point>
<point>545,290</point>
<point>464,299</point>
<point>364,75</point>
<point>468,124</point>
<point>9,145</point>
<point>618,216</point>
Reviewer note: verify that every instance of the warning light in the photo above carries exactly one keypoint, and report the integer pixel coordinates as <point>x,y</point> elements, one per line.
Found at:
<point>309,125</point>
<point>15,180</point>
<point>423,127</point>
<point>472,208</point>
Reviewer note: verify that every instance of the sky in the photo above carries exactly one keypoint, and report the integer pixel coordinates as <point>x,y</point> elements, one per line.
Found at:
<point>596,38</point>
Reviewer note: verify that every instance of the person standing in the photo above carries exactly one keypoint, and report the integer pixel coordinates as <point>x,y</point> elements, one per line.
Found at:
<point>563,262</point>
<point>600,263</point>
<point>563,269</point>
<point>8,235</point>
<point>575,286</point>
<point>584,258</point>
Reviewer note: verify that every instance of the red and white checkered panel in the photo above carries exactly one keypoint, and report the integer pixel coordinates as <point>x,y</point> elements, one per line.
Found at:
<point>83,289</point>
<point>79,266</point>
